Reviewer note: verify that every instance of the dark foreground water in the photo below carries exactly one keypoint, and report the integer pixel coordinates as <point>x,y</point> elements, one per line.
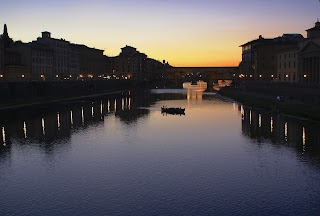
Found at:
<point>118,155</point>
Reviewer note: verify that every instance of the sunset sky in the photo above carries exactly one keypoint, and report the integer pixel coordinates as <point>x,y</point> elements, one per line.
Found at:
<point>183,32</point>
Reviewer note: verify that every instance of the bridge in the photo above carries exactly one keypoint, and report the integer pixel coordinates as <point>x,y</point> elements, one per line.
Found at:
<point>208,74</point>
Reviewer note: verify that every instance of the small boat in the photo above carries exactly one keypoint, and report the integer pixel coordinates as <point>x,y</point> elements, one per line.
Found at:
<point>173,111</point>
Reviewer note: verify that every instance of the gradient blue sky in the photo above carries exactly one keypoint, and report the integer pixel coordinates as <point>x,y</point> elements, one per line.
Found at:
<point>183,32</point>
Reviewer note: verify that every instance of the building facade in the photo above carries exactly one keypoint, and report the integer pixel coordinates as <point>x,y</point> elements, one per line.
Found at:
<point>130,64</point>
<point>309,56</point>
<point>288,66</point>
<point>92,64</point>
<point>18,62</point>
<point>259,57</point>
<point>42,62</point>
<point>61,56</point>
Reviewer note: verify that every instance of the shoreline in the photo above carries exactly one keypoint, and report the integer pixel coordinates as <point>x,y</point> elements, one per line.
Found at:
<point>37,101</point>
<point>289,107</point>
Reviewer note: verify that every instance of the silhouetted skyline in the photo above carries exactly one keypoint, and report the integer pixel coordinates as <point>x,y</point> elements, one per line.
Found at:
<point>185,33</point>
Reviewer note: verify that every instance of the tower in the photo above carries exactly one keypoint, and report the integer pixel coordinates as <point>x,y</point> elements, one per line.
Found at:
<point>7,41</point>
<point>5,31</point>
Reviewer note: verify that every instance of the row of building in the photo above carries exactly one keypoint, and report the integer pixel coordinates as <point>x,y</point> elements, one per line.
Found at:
<point>289,58</point>
<point>51,59</point>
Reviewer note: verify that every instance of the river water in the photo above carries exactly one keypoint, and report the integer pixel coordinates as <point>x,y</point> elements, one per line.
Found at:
<point>119,155</point>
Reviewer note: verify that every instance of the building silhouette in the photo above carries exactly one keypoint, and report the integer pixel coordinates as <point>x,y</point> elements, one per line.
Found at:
<point>52,59</point>
<point>61,57</point>
<point>259,57</point>
<point>289,58</point>
<point>309,56</point>
<point>132,64</point>
<point>92,62</point>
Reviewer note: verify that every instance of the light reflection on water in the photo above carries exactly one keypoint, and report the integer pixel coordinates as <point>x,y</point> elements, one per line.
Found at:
<point>118,155</point>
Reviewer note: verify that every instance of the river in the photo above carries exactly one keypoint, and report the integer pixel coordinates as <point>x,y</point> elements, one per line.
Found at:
<point>119,155</point>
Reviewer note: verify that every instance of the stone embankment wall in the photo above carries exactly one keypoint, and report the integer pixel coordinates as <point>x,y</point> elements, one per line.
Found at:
<point>308,93</point>
<point>32,90</point>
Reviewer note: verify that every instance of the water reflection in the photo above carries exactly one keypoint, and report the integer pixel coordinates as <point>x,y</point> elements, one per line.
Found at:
<point>49,125</point>
<point>194,95</point>
<point>259,125</point>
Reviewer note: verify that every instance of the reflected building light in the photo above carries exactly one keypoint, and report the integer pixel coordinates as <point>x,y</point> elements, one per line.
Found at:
<point>25,129</point>
<point>250,116</point>
<point>58,119</point>
<point>304,137</point>
<point>115,104</point>
<point>43,126</point>
<point>3,136</point>
<point>92,112</point>
<point>71,117</point>
<point>271,124</point>
<point>82,115</point>
<point>234,106</point>
<point>242,112</point>
<point>108,106</point>
<point>129,93</point>
<point>260,120</point>
<point>129,104</point>
<point>122,103</point>
<point>286,131</point>
<point>101,108</point>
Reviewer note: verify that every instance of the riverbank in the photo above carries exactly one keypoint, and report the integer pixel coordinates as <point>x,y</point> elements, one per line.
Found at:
<point>288,105</point>
<point>16,95</point>
<point>16,104</point>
